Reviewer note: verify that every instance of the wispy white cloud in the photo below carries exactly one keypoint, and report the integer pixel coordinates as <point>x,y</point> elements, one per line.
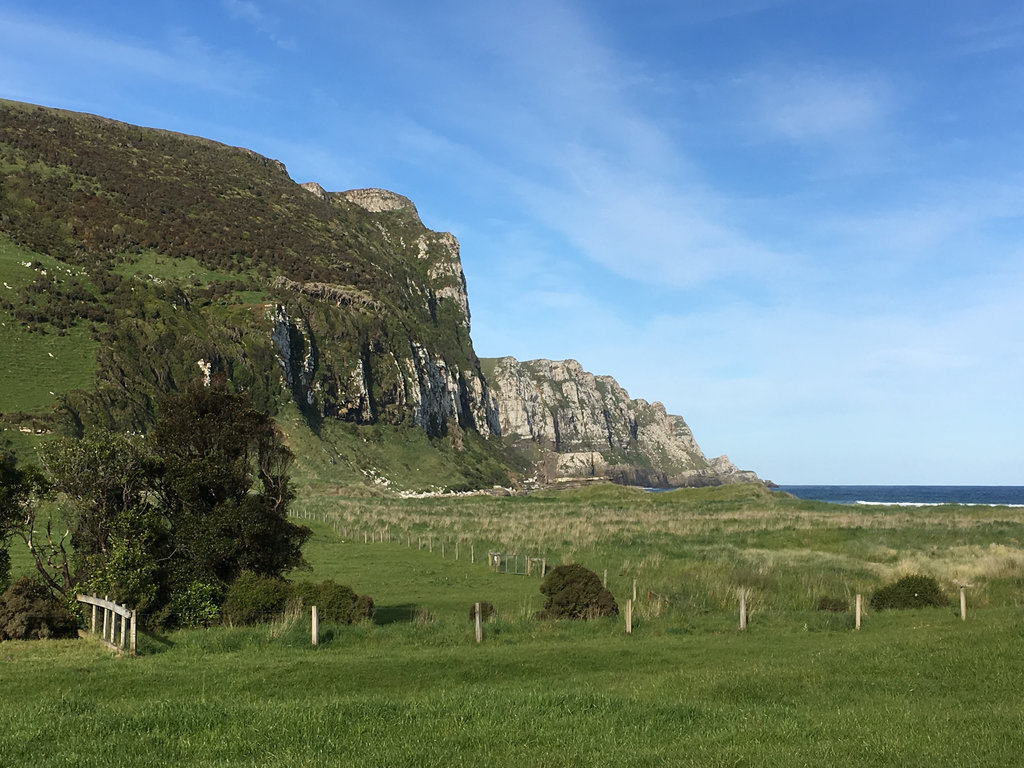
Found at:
<point>182,59</point>
<point>990,32</point>
<point>815,106</point>
<point>250,13</point>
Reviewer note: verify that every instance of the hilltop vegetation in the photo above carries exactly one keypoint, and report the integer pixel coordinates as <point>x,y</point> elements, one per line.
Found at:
<point>136,261</point>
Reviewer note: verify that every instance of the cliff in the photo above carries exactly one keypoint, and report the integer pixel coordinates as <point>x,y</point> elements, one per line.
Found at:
<point>157,260</point>
<point>581,425</point>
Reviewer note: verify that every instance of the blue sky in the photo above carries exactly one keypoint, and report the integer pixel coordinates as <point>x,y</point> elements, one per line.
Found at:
<point>797,224</point>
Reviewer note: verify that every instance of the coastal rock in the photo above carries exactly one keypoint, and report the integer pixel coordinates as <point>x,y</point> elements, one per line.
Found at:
<point>588,426</point>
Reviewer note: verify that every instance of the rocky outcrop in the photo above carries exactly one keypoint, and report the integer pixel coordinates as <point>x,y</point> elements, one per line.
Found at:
<point>374,200</point>
<point>587,426</point>
<point>399,375</point>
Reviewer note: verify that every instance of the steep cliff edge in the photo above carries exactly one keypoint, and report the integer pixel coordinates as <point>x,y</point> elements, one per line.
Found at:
<point>577,424</point>
<point>164,260</point>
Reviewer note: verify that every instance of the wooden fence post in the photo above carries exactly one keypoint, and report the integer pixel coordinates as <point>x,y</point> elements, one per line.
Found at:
<point>963,603</point>
<point>859,604</point>
<point>629,617</point>
<point>106,622</point>
<point>479,624</point>
<point>543,567</point>
<point>472,553</point>
<point>743,609</point>
<point>604,581</point>
<point>134,635</point>
<point>94,609</point>
<point>634,589</point>
<point>314,626</point>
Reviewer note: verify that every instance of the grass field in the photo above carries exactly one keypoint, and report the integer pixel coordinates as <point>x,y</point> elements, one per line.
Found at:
<point>799,687</point>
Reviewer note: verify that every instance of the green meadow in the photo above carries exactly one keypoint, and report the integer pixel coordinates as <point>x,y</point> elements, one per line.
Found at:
<point>798,687</point>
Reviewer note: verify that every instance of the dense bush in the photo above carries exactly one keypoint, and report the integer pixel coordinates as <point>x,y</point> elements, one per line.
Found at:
<point>833,604</point>
<point>575,592</point>
<point>196,606</point>
<point>29,612</point>
<point>364,608</point>
<point>487,611</point>
<point>913,591</point>
<point>252,599</point>
<point>334,602</point>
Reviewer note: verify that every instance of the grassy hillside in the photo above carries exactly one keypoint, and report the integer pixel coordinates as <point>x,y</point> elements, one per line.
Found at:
<point>151,255</point>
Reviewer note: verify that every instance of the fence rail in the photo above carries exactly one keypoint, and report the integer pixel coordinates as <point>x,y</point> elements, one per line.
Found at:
<point>116,618</point>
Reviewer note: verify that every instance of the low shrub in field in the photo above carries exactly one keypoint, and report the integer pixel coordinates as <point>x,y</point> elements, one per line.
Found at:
<point>833,604</point>
<point>575,592</point>
<point>335,602</point>
<point>487,611</point>
<point>364,608</point>
<point>252,599</point>
<point>29,612</point>
<point>914,591</point>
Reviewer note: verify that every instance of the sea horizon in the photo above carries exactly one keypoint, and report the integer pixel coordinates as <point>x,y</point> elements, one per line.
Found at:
<point>910,495</point>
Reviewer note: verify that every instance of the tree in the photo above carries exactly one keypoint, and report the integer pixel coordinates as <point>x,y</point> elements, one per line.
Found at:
<point>222,483</point>
<point>21,491</point>
<point>120,541</point>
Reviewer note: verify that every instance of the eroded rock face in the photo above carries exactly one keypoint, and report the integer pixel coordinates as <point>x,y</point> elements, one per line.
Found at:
<point>395,375</point>
<point>590,427</point>
<point>377,200</point>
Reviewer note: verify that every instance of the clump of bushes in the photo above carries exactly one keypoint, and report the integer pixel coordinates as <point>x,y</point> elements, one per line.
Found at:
<point>487,611</point>
<point>335,602</point>
<point>913,591</point>
<point>252,599</point>
<point>575,592</point>
<point>29,612</point>
<point>833,604</point>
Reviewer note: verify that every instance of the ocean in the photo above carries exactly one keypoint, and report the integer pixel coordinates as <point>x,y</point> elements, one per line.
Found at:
<point>912,495</point>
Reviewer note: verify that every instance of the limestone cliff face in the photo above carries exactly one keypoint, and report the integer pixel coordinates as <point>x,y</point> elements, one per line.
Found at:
<point>587,426</point>
<point>344,353</point>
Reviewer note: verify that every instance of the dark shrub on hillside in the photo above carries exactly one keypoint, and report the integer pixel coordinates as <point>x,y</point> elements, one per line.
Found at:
<point>487,611</point>
<point>364,608</point>
<point>252,599</point>
<point>29,612</point>
<point>334,602</point>
<point>914,591</point>
<point>575,592</point>
<point>833,604</point>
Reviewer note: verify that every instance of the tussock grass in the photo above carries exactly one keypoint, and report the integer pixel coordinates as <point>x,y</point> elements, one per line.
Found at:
<point>693,548</point>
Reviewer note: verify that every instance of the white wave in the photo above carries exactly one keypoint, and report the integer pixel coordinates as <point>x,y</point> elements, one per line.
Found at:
<point>931,504</point>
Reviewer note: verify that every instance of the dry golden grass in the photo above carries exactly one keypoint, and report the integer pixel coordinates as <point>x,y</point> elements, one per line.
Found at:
<point>697,546</point>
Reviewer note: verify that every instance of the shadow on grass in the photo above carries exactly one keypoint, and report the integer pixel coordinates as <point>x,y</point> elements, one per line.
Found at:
<point>392,614</point>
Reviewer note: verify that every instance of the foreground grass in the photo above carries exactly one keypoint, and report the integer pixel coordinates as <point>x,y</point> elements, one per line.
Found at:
<point>799,687</point>
<point>913,689</point>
